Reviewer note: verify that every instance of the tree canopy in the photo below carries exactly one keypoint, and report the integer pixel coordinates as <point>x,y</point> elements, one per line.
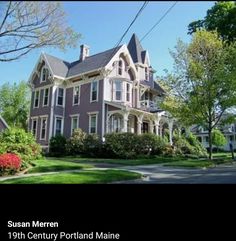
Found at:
<point>221,17</point>
<point>25,26</point>
<point>202,86</point>
<point>15,104</point>
<point>218,139</point>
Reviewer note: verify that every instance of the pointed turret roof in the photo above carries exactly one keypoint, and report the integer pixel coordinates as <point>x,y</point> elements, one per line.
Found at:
<point>135,48</point>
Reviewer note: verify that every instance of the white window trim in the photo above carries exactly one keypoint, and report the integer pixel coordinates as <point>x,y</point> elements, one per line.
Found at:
<point>130,92</point>
<point>74,93</point>
<point>96,127</point>
<point>42,118</point>
<point>48,96</point>
<point>33,119</point>
<point>122,91</point>
<point>41,75</point>
<point>35,97</point>
<point>71,125</point>
<point>64,96</point>
<point>62,123</point>
<point>92,89</point>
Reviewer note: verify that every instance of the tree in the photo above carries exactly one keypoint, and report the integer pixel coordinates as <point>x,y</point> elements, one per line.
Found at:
<point>221,17</point>
<point>202,86</point>
<point>25,26</point>
<point>15,104</point>
<point>218,139</point>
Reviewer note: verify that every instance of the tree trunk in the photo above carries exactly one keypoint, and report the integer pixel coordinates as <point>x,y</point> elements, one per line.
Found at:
<point>210,143</point>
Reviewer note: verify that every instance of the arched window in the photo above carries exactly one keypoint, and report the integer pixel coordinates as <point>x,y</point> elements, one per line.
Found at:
<point>120,67</point>
<point>44,74</point>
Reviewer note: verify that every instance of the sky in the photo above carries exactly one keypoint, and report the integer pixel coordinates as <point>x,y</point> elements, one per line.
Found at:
<point>103,23</point>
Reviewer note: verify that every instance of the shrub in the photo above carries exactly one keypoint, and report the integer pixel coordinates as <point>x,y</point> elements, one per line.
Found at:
<point>168,150</point>
<point>20,142</point>
<point>75,145</point>
<point>9,163</point>
<point>121,145</point>
<point>150,144</point>
<point>183,146</point>
<point>200,150</point>
<point>92,145</point>
<point>57,145</point>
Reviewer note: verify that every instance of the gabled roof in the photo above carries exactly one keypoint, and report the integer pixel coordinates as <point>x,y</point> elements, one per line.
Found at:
<point>59,67</point>
<point>65,69</point>
<point>92,62</point>
<point>135,48</point>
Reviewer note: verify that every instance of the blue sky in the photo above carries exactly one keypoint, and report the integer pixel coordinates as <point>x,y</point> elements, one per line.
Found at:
<point>103,23</point>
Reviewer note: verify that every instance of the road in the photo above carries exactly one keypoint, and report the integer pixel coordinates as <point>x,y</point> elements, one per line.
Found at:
<point>156,174</point>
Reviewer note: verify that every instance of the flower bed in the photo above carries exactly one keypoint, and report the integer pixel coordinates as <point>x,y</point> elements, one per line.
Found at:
<point>9,163</point>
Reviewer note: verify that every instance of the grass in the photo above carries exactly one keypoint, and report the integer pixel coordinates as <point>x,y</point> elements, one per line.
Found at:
<point>51,165</point>
<point>175,161</point>
<point>84,177</point>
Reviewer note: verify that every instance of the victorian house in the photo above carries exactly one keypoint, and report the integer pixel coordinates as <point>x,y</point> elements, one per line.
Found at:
<point>112,91</point>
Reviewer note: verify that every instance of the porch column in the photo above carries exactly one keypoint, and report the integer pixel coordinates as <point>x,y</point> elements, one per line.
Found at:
<point>140,122</point>
<point>151,126</point>
<point>157,127</point>
<point>170,124</point>
<point>125,122</point>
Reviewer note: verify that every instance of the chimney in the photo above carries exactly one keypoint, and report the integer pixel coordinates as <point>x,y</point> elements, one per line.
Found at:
<point>84,52</point>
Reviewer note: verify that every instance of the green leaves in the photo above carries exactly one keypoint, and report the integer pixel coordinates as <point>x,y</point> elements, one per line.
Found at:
<point>15,104</point>
<point>221,17</point>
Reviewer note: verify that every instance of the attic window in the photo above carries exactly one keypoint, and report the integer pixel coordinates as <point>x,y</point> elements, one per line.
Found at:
<point>44,74</point>
<point>120,67</point>
<point>146,74</point>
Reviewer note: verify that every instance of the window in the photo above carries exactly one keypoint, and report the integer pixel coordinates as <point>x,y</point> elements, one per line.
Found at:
<point>74,123</point>
<point>128,92</point>
<point>76,95</point>
<point>36,99</point>
<point>207,139</point>
<point>146,74</point>
<point>45,97</point>
<point>44,74</point>
<point>60,96</point>
<point>93,123</point>
<point>34,127</point>
<point>43,128</point>
<point>58,126</point>
<point>115,123</point>
<point>118,90</point>
<point>120,67</point>
<point>199,138</point>
<point>94,91</point>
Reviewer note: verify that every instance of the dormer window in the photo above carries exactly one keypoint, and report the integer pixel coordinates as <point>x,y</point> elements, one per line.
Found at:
<point>44,74</point>
<point>120,67</point>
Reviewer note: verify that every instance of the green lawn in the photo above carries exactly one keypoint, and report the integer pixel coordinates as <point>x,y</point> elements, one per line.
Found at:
<point>175,161</point>
<point>51,165</point>
<point>84,177</point>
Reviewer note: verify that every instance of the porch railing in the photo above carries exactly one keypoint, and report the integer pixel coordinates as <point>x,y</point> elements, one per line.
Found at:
<point>148,105</point>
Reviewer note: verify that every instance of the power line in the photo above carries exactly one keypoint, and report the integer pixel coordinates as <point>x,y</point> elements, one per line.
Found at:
<point>122,37</point>
<point>133,21</point>
<point>158,21</point>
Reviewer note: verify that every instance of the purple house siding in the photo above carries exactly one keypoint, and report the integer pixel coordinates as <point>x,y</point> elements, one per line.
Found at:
<point>41,111</point>
<point>83,108</point>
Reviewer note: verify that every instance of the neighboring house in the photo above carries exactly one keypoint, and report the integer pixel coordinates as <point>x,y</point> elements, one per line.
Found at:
<point>3,124</point>
<point>228,130</point>
<point>112,91</point>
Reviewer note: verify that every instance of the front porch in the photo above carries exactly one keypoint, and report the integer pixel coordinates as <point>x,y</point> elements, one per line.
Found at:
<point>125,119</point>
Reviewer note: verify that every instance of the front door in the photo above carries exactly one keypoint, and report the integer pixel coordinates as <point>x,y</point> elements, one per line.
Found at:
<point>145,127</point>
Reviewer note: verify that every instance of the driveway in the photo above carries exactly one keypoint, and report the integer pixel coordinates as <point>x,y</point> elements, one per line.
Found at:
<point>159,174</point>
